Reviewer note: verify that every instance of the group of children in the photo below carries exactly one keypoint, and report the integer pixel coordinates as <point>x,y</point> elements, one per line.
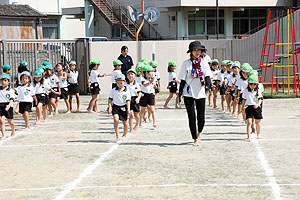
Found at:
<point>240,91</point>
<point>41,89</point>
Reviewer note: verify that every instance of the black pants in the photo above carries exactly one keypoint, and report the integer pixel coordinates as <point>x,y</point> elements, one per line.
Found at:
<point>189,103</point>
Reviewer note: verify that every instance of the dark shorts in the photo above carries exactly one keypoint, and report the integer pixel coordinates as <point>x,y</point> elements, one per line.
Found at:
<point>53,95</point>
<point>64,93</point>
<point>25,106</point>
<point>8,114</point>
<point>73,88</point>
<point>173,87</point>
<point>121,111</point>
<point>95,89</point>
<point>252,112</point>
<point>156,91</point>
<point>133,105</point>
<point>47,99</point>
<point>41,98</point>
<point>222,90</point>
<point>147,99</point>
<point>240,99</point>
<point>232,94</point>
<point>214,83</point>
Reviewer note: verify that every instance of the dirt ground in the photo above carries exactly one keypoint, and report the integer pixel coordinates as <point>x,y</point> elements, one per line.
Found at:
<point>74,156</point>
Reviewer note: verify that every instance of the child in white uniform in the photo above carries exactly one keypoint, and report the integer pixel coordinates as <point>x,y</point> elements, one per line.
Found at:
<point>73,87</point>
<point>63,77</point>
<point>172,86</point>
<point>40,96</point>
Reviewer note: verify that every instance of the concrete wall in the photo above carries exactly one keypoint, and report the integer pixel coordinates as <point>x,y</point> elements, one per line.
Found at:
<point>165,51</point>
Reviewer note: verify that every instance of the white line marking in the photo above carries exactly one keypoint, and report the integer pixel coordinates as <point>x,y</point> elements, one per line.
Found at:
<point>46,145</point>
<point>268,171</point>
<point>144,186</point>
<point>10,138</point>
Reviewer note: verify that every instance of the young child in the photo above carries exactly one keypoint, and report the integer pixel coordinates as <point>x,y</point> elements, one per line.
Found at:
<point>215,71</point>
<point>55,91</point>
<point>242,84</point>
<point>156,76</point>
<point>40,94</point>
<point>119,105</point>
<point>148,96</point>
<point>63,77</point>
<point>135,92</point>
<point>172,85</point>
<point>25,97</point>
<point>232,102</point>
<point>6,69</point>
<point>117,71</point>
<point>222,82</point>
<point>21,68</point>
<point>139,68</point>
<point>7,95</point>
<point>94,86</point>
<point>73,87</point>
<point>252,99</point>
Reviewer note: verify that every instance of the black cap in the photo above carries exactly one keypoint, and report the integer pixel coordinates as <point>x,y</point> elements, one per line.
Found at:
<point>195,45</point>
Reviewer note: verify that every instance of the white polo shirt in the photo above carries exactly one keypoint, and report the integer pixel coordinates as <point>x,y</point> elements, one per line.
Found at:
<point>39,88</point>
<point>232,80</point>
<point>242,84</point>
<point>115,73</point>
<point>25,93</point>
<point>138,79</point>
<point>63,82</point>
<point>73,77</point>
<point>120,98</point>
<point>251,97</point>
<point>133,89</point>
<point>196,90</point>
<point>222,77</point>
<point>156,76</point>
<point>215,74</point>
<point>172,76</point>
<point>94,76</point>
<point>53,81</point>
<point>149,89</point>
<point>6,95</point>
<point>47,84</point>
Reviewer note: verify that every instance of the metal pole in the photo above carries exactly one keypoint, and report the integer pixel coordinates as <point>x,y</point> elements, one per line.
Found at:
<point>143,21</point>
<point>217,5</point>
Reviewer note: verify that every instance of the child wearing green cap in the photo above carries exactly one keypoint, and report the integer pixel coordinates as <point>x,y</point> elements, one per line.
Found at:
<point>54,90</point>
<point>7,96</point>
<point>138,69</point>
<point>232,100</point>
<point>252,100</point>
<point>119,105</point>
<point>214,71</point>
<point>63,77</point>
<point>6,69</point>
<point>222,82</point>
<point>73,87</point>
<point>117,71</point>
<point>172,86</point>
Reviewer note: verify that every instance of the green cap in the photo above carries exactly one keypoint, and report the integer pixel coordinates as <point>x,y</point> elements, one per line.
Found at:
<point>253,79</point>
<point>172,63</point>
<point>72,62</point>
<point>253,73</point>
<point>94,62</point>
<point>215,61</point>
<point>24,63</point>
<point>131,70</point>
<point>38,73</point>
<point>148,68</point>
<point>120,77</point>
<point>246,67</point>
<point>153,63</point>
<point>26,73</point>
<point>49,67</point>
<point>139,67</point>
<point>6,67</point>
<point>229,63</point>
<point>42,67</point>
<point>236,64</point>
<point>46,63</point>
<point>117,62</point>
<point>145,61</point>
<point>224,62</point>
<point>5,76</point>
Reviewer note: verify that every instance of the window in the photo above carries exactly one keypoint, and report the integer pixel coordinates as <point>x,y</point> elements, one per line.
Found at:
<point>203,22</point>
<point>248,21</point>
<point>50,29</point>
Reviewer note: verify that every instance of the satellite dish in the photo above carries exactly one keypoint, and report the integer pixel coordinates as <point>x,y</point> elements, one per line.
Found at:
<point>132,14</point>
<point>151,14</point>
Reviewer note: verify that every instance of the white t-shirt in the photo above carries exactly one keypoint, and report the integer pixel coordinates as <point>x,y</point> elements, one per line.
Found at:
<point>25,93</point>
<point>195,89</point>
<point>39,88</point>
<point>261,87</point>
<point>215,74</point>
<point>149,89</point>
<point>72,77</point>
<point>94,76</point>
<point>63,82</point>
<point>156,76</point>
<point>172,76</point>
<point>232,80</point>
<point>242,84</point>
<point>138,79</point>
<point>222,77</point>
<point>53,81</point>
<point>120,98</point>
<point>251,97</point>
<point>6,95</point>
<point>47,84</point>
<point>115,73</point>
<point>207,58</point>
<point>133,89</point>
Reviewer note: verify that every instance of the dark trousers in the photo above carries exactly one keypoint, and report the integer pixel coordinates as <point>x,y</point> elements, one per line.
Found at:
<point>189,103</point>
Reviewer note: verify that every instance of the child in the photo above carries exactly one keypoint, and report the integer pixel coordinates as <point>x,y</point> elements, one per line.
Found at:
<point>119,105</point>
<point>62,76</point>
<point>135,92</point>
<point>156,76</point>
<point>242,84</point>
<point>40,94</point>
<point>117,71</point>
<point>172,84</point>
<point>222,82</point>
<point>252,99</point>
<point>148,96</point>
<point>235,67</point>
<point>25,97</point>
<point>73,87</point>
<point>139,68</point>
<point>6,69</point>
<point>94,86</point>
<point>215,71</point>
<point>22,67</point>
<point>7,95</point>
<point>55,91</point>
